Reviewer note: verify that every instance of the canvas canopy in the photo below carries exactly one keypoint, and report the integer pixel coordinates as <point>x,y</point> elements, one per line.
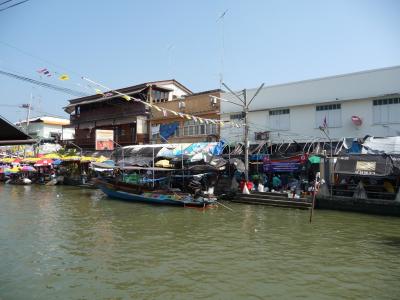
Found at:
<point>365,165</point>
<point>387,145</point>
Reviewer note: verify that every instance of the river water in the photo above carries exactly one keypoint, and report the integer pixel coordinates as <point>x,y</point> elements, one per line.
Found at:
<point>69,243</point>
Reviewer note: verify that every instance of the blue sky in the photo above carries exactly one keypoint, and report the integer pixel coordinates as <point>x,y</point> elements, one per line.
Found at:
<point>122,43</point>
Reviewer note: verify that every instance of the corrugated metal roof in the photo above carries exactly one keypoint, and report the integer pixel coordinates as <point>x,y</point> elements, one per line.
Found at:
<point>359,85</point>
<point>47,120</point>
<point>10,133</point>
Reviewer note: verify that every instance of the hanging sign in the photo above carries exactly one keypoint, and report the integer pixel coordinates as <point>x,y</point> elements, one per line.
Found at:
<point>104,139</point>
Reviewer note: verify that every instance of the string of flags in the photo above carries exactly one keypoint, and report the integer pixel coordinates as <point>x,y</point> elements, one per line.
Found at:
<point>164,111</point>
<point>110,92</point>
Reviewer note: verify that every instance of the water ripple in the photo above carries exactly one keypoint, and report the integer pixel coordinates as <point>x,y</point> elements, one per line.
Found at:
<point>68,242</point>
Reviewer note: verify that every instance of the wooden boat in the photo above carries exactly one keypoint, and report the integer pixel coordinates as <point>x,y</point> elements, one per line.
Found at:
<point>124,191</point>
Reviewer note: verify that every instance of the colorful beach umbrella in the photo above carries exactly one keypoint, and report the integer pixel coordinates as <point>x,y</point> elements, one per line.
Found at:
<point>43,163</point>
<point>57,162</point>
<point>28,169</point>
<point>314,159</point>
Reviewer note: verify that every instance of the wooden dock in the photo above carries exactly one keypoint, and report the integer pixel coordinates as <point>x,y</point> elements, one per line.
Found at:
<point>273,199</point>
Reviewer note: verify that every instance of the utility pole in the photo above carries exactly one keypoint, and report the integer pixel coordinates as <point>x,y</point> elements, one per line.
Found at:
<point>28,113</point>
<point>246,136</point>
<point>245,110</point>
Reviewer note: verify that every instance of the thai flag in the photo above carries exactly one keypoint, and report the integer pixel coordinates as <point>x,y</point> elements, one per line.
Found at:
<point>44,72</point>
<point>325,123</point>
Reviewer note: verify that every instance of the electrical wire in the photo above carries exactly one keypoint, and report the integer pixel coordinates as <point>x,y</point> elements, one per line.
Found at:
<point>45,84</point>
<point>5,2</point>
<point>8,7</point>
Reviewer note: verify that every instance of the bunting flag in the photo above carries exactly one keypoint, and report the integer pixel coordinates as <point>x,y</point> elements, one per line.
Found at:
<point>44,72</point>
<point>64,77</point>
<point>164,110</point>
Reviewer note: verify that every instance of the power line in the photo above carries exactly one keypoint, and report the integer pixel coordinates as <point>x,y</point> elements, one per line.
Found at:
<point>5,2</point>
<point>12,5</point>
<point>44,84</point>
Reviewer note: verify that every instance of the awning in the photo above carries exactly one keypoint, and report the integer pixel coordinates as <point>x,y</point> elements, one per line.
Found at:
<point>11,135</point>
<point>17,142</point>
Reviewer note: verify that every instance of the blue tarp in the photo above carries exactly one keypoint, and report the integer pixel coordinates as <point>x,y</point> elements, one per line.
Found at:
<point>167,130</point>
<point>355,148</point>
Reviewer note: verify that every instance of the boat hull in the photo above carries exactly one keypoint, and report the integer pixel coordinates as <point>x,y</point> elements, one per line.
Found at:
<point>152,197</point>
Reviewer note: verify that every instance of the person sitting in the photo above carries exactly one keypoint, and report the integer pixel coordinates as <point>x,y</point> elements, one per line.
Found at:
<point>276,182</point>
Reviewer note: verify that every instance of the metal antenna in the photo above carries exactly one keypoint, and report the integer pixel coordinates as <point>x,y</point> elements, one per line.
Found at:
<point>220,20</point>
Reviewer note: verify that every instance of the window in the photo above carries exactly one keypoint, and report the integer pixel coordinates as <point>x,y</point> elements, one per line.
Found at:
<point>386,111</point>
<point>159,96</point>
<point>329,115</point>
<point>177,132</point>
<point>191,128</point>
<point>238,116</point>
<point>279,119</point>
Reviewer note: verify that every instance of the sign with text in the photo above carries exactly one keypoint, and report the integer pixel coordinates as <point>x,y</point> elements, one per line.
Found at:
<point>104,139</point>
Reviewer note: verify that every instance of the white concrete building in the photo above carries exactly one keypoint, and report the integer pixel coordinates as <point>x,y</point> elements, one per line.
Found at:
<point>47,127</point>
<point>351,105</point>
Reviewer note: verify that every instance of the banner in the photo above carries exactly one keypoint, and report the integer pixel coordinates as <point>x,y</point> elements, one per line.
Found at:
<point>289,164</point>
<point>104,139</point>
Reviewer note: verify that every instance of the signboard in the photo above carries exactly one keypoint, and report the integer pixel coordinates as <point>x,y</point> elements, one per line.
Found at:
<point>365,167</point>
<point>290,164</point>
<point>104,139</point>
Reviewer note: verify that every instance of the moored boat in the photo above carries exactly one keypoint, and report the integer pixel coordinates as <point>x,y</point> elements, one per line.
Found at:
<point>114,189</point>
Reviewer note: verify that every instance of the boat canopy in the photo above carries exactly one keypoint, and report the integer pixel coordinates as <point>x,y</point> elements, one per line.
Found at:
<point>367,165</point>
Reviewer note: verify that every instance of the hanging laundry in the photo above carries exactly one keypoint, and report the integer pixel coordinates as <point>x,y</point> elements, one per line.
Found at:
<point>155,129</point>
<point>165,114</point>
<point>167,130</point>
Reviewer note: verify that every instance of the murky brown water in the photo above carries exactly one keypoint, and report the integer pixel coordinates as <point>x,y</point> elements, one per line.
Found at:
<point>70,243</point>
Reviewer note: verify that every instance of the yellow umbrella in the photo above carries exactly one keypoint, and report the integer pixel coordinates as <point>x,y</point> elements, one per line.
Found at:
<point>52,156</point>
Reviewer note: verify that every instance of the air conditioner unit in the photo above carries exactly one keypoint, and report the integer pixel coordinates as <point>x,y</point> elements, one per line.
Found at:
<point>261,136</point>
<point>181,104</point>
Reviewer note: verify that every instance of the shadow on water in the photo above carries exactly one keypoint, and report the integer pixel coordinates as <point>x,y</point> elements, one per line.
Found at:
<point>393,241</point>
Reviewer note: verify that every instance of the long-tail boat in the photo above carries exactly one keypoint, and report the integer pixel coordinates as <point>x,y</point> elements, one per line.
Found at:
<point>145,190</point>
